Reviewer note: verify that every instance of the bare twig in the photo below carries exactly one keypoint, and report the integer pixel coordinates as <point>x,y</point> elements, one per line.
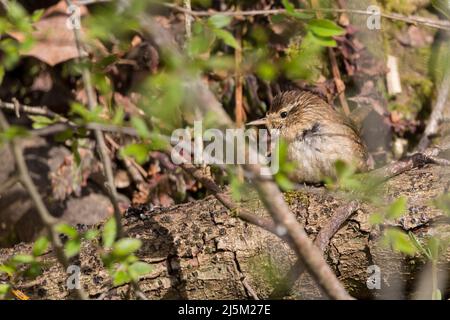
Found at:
<point>432,23</point>
<point>47,219</point>
<point>101,145</point>
<point>14,106</point>
<point>437,113</point>
<point>188,19</point>
<point>8,184</point>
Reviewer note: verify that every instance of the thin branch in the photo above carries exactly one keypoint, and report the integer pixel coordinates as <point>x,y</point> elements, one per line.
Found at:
<point>42,111</point>
<point>437,113</point>
<point>432,23</point>
<point>101,145</point>
<point>188,19</point>
<point>47,219</point>
<point>8,184</point>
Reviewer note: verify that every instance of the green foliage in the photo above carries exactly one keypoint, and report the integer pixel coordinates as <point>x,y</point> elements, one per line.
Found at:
<point>18,21</point>
<point>290,9</point>
<point>73,245</point>
<point>286,167</point>
<point>325,28</point>
<point>443,6</point>
<point>119,256</point>
<point>4,290</point>
<point>11,133</point>
<point>399,241</point>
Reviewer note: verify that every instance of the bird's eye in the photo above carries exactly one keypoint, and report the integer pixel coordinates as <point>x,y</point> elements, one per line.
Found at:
<point>283,114</point>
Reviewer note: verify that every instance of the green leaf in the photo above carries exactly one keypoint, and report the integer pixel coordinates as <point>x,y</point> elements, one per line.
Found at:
<point>325,28</point>
<point>141,127</point>
<point>40,246</point>
<point>324,41</point>
<point>121,277</point>
<point>40,122</point>
<point>90,235</point>
<point>283,182</point>
<point>418,245</point>
<point>227,38</point>
<point>4,289</point>
<point>67,230</point>
<point>37,15</point>
<point>219,21</point>
<point>376,219</point>
<point>399,241</point>
<point>13,132</point>
<point>290,8</point>
<point>109,233</point>
<point>9,270</point>
<point>125,247</point>
<point>138,151</point>
<point>139,269</point>
<point>237,187</point>
<point>397,208</point>
<point>442,6</point>
<point>72,247</point>
<point>22,258</point>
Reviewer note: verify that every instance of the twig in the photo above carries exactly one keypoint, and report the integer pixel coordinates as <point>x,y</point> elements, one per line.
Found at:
<point>188,19</point>
<point>239,79</point>
<point>432,23</point>
<point>101,145</point>
<point>8,184</point>
<point>409,163</point>
<point>437,113</point>
<point>14,106</point>
<point>47,219</point>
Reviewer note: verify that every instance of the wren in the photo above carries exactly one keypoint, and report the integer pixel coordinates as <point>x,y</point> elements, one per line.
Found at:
<point>317,135</point>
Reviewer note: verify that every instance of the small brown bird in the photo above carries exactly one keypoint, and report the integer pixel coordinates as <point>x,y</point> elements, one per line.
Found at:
<point>317,135</point>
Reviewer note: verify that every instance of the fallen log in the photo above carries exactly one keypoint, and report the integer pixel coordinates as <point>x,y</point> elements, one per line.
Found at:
<point>202,251</point>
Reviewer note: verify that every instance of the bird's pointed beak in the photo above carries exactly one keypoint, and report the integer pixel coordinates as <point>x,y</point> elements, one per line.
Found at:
<point>259,122</point>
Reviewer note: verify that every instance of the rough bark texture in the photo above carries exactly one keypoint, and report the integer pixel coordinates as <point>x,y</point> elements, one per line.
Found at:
<point>199,251</point>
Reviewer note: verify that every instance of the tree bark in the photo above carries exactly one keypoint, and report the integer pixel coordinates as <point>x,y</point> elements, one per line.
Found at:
<point>200,251</point>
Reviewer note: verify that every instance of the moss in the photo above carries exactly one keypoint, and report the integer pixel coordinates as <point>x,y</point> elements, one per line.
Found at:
<point>293,197</point>
<point>400,6</point>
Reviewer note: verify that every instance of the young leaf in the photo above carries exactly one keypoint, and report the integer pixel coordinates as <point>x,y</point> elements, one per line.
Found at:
<point>227,38</point>
<point>325,28</point>
<point>72,247</point>
<point>397,208</point>
<point>399,241</point>
<point>67,230</point>
<point>9,270</point>
<point>376,219</point>
<point>40,246</point>
<point>290,9</point>
<point>22,258</point>
<point>125,247</point>
<point>121,277</point>
<point>219,21</point>
<point>141,127</point>
<point>139,269</point>
<point>109,233</point>
<point>137,151</point>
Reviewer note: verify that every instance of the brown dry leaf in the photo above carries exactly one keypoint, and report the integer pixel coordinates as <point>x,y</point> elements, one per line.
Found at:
<point>55,43</point>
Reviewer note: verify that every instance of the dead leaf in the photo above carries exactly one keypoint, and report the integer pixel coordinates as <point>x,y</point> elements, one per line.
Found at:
<point>55,43</point>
